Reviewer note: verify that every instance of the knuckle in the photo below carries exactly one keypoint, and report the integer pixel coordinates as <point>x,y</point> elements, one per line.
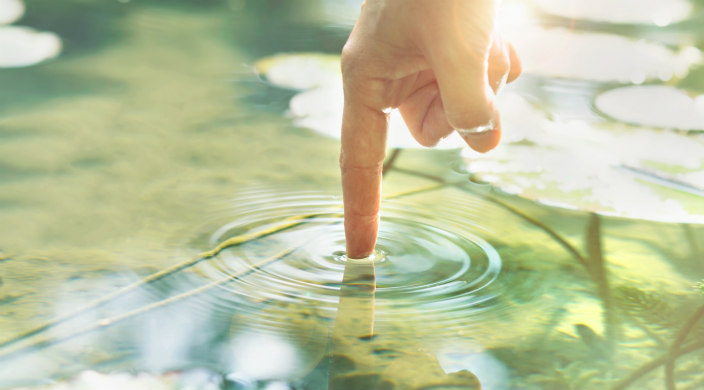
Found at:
<point>350,59</point>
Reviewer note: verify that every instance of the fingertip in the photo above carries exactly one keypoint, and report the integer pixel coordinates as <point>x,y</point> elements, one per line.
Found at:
<point>360,233</point>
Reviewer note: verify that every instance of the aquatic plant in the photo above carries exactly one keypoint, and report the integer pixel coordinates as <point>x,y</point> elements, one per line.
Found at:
<point>648,306</point>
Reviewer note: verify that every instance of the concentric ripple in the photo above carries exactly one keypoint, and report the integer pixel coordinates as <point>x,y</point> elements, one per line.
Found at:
<point>416,259</point>
<point>432,260</point>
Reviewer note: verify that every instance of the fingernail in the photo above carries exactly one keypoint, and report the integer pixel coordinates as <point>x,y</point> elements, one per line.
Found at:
<point>477,130</point>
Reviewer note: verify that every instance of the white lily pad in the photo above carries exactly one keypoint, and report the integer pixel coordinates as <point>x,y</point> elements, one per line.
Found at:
<point>10,10</point>
<point>24,46</point>
<point>319,104</point>
<point>608,168</point>
<point>600,57</point>
<point>658,12</point>
<point>654,105</point>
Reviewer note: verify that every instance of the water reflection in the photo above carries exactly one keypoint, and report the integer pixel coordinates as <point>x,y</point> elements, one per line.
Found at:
<point>361,359</point>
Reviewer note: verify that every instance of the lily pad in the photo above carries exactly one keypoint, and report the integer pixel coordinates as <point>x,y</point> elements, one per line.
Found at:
<point>24,46</point>
<point>654,105</point>
<point>609,168</point>
<point>318,106</point>
<point>600,57</point>
<point>658,12</point>
<point>10,10</point>
<point>300,70</point>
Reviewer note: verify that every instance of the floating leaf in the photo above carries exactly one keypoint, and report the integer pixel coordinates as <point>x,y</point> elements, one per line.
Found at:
<point>658,12</point>
<point>654,105</point>
<point>608,168</point>
<point>301,70</point>
<point>10,10</point>
<point>24,46</point>
<point>593,56</point>
<point>602,57</point>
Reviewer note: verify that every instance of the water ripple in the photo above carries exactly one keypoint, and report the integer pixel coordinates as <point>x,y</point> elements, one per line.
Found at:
<point>436,263</point>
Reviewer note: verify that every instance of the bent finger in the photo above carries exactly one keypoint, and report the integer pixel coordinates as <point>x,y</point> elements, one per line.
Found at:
<point>460,65</point>
<point>468,99</point>
<point>424,115</point>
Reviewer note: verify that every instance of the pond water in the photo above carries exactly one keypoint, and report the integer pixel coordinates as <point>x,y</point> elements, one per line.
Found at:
<point>169,220</point>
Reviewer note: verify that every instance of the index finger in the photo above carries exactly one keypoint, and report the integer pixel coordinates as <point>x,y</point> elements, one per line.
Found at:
<point>361,161</point>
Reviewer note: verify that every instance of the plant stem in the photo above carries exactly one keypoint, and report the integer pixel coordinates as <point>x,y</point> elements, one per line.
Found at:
<point>461,186</point>
<point>105,323</point>
<point>234,241</point>
<point>598,273</point>
<point>675,347</point>
<point>653,364</point>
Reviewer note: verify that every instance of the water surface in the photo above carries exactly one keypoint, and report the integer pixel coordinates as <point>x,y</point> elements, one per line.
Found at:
<point>150,141</point>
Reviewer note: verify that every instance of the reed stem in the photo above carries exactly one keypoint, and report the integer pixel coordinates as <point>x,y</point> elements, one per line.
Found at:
<point>676,345</point>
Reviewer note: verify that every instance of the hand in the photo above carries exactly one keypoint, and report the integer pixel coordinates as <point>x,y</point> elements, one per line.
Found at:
<point>440,63</point>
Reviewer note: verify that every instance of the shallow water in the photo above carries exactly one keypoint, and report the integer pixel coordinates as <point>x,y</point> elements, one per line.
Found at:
<point>150,141</point>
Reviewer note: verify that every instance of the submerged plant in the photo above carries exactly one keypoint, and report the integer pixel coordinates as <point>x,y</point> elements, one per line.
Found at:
<point>648,306</point>
<point>700,286</point>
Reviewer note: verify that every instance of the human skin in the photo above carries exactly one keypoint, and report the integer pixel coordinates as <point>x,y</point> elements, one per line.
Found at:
<point>440,63</point>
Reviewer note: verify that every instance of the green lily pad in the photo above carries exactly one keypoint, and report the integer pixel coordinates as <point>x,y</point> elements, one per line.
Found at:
<point>658,12</point>
<point>24,46</point>
<point>654,105</point>
<point>609,168</point>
